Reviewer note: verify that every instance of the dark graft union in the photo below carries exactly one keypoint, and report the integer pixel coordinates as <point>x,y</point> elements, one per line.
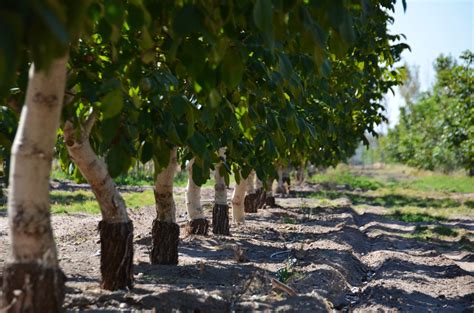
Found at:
<point>116,258</point>
<point>220,219</point>
<point>32,287</point>
<point>165,237</point>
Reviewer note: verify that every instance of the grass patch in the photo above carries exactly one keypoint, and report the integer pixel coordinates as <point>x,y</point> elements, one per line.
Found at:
<point>73,201</point>
<point>434,233</point>
<point>442,183</point>
<point>136,200</point>
<point>84,201</point>
<point>408,217</point>
<point>342,176</point>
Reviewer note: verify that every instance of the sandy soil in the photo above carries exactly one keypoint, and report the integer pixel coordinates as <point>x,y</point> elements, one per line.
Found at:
<point>339,259</point>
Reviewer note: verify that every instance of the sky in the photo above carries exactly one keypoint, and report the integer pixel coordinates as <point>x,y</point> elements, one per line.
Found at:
<point>432,27</point>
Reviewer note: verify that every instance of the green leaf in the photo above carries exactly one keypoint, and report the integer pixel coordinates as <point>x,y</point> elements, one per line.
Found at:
<point>187,20</point>
<point>197,143</point>
<point>118,160</point>
<point>263,19</point>
<point>232,68</point>
<point>179,105</point>
<point>56,26</point>
<point>146,152</point>
<point>112,103</point>
<point>200,175</point>
<point>161,154</point>
<point>114,12</point>
<point>285,67</point>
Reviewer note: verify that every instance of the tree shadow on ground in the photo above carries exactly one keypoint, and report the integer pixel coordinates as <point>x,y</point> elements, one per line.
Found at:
<point>413,301</point>
<point>70,198</point>
<point>389,201</point>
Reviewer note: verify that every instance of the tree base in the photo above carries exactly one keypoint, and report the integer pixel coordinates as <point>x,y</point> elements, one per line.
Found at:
<point>116,255</point>
<point>165,237</point>
<point>261,198</point>
<point>250,203</point>
<point>198,226</point>
<point>220,219</point>
<point>270,201</point>
<point>32,287</point>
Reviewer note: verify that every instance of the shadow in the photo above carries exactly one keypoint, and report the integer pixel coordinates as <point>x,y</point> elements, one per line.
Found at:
<point>81,278</point>
<point>414,301</point>
<point>395,268</point>
<point>70,198</point>
<point>388,201</point>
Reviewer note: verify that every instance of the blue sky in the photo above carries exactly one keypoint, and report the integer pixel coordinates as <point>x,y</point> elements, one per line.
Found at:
<point>432,27</point>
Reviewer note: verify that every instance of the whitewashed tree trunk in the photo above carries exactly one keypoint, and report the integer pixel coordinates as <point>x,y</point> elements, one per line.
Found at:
<point>111,203</point>
<point>251,182</point>
<point>193,195</point>
<point>116,229</point>
<point>220,211</point>
<point>165,205</point>
<point>220,187</point>
<point>165,231</point>
<point>269,198</point>
<point>198,224</point>
<point>238,214</point>
<point>270,187</point>
<point>33,266</point>
<point>251,198</point>
<point>280,186</point>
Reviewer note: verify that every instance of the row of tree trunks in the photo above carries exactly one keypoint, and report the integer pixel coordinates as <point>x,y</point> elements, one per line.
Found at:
<point>32,279</point>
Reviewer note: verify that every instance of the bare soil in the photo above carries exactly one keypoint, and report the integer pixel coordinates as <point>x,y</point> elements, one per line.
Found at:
<point>333,258</point>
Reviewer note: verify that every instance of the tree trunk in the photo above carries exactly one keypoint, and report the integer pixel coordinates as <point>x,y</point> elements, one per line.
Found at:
<point>198,224</point>
<point>300,177</point>
<point>269,198</point>
<point>238,215</point>
<point>115,229</point>
<point>250,202</point>
<point>220,211</point>
<point>283,181</point>
<point>32,279</point>
<point>165,231</point>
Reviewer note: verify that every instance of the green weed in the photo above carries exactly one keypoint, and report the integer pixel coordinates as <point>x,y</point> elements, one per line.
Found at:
<point>284,273</point>
<point>288,220</point>
<point>414,217</point>
<point>435,233</point>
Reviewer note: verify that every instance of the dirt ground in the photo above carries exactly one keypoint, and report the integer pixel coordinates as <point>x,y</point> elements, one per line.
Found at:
<point>334,258</point>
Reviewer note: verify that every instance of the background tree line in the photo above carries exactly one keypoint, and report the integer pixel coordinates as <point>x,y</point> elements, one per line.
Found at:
<point>436,127</point>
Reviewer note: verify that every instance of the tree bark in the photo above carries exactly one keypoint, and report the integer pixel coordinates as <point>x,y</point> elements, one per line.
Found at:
<point>32,279</point>
<point>300,175</point>
<point>220,211</point>
<point>198,224</point>
<point>165,231</point>
<point>269,198</point>
<point>115,229</point>
<point>238,215</point>
<point>250,201</point>
<point>283,181</point>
